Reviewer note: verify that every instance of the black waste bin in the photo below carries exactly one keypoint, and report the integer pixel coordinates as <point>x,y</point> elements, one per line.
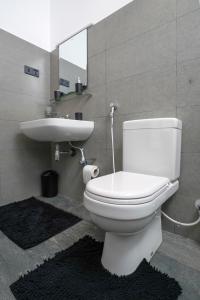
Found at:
<point>49,182</point>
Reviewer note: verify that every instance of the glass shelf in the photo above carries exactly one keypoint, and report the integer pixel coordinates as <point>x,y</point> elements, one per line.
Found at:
<point>73,96</point>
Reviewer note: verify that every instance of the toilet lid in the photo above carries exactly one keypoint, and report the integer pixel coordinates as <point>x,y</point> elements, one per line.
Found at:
<point>126,185</point>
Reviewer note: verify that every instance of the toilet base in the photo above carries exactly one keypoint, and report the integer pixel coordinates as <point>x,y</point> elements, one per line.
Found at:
<point>123,253</point>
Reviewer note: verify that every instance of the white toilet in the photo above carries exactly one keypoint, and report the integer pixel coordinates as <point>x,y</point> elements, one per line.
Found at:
<point>127,204</point>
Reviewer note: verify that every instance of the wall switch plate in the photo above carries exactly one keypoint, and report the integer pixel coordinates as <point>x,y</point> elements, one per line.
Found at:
<point>64,82</point>
<point>31,71</point>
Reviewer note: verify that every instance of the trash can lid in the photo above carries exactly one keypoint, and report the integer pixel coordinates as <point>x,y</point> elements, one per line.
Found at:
<point>49,172</point>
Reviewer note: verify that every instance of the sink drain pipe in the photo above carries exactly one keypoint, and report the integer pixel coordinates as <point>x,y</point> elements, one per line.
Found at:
<point>58,153</point>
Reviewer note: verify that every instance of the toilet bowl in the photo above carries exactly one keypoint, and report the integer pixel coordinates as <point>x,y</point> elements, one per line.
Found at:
<point>127,204</point>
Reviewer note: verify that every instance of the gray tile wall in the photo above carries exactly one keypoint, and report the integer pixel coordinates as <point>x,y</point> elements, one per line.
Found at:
<point>145,57</point>
<point>22,98</point>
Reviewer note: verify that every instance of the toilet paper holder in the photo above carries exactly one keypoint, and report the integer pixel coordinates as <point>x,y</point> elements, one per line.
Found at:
<point>90,172</point>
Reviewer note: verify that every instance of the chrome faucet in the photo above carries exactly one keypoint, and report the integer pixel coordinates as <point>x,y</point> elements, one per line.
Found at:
<point>53,114</point>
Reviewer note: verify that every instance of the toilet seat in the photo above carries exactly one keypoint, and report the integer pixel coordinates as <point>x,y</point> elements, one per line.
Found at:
<point>98,205</point>
<point>126,188</point>
<point>127,196</point>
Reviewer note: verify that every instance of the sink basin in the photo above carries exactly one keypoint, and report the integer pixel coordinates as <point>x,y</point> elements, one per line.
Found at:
<point>57,129</point>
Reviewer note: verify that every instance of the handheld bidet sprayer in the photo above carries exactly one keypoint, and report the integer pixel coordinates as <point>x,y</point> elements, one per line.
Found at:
<point>113,108</point>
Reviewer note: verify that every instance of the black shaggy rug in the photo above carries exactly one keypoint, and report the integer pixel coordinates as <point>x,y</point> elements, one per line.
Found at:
<point>30,222</point>
<point>77,274</point>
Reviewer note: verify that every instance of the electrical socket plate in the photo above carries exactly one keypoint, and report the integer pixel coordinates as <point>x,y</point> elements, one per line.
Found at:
<point>31,71</point>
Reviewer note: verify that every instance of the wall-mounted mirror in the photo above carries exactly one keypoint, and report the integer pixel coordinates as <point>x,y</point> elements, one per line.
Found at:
<point>73,62</point>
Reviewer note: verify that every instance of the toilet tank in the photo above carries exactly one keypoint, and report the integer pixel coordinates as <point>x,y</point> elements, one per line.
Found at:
<point>153,147</point>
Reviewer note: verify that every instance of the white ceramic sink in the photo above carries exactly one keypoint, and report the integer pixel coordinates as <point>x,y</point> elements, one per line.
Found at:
<point>57,129</point>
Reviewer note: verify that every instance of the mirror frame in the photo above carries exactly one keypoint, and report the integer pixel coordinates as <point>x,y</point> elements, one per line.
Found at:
<point>58,45</point>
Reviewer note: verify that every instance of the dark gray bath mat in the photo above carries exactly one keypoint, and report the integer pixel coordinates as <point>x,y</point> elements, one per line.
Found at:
<point>30,222</point>
<point>77,274</point>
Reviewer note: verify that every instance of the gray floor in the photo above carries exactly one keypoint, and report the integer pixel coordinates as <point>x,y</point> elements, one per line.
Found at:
<point>178,257</point>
